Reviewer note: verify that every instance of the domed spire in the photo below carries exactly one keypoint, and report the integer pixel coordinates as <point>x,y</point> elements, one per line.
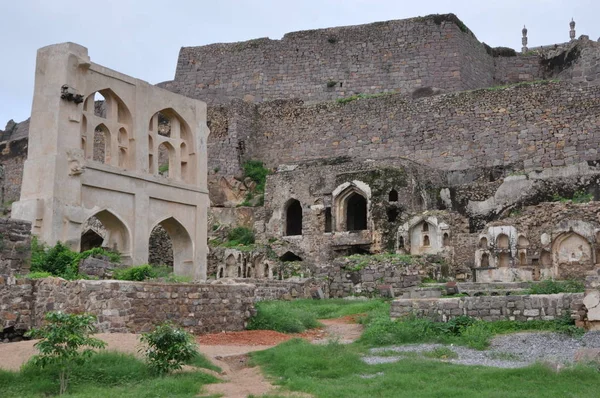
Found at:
<point>572,31</point>
<point>524,40</point>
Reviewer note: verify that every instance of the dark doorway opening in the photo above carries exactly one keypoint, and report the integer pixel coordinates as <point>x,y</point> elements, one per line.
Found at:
<point>90,239</point>
<point>356,213</point>
<point>293,218</point>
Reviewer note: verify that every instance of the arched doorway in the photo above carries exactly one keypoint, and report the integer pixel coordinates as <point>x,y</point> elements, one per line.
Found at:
<point>293,218</point>
<point>116,234</point>
<point>356,212</point>
<point>183,247</point>
<point>160,247</point>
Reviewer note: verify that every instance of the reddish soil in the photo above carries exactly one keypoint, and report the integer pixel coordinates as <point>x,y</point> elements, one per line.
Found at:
<point>257,337</point>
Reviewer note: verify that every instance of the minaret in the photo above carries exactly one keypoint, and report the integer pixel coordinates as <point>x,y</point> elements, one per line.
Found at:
<point>524,40</point>
<point>572,31</point>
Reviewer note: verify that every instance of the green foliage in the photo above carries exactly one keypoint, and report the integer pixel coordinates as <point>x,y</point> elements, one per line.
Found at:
<point>549,286</point>
<point>65,343</point>
<point>163,169</point>
<point>256,170</point>
<point>299,315</point>
<point>136,273</point>
<point>520,84</point>
<point>362,260</point>
<point>462,330</point>
<point>168,348</point>
<point>240,236</point>
<point>580,196</point>
<point>356,97</point>
<point>38,275</point>
<point>331,83</point>
<point>334,370</point>
<point>441,353</point>
<point>61,261</point>
<point>106,374</point>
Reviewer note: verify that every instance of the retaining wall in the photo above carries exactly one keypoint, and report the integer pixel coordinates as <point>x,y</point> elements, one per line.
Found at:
<point>493,308</point>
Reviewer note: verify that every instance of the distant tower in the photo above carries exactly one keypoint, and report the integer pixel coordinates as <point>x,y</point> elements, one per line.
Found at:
<point>524,40</point>
<point>572,31</point>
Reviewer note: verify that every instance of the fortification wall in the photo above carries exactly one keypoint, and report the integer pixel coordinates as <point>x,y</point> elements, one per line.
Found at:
<point>530,126</point>
<point>493,308</point>
<point>395,56</point>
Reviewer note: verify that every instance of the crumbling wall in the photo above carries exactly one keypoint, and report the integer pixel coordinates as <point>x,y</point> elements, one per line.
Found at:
<point>137,307</point>
<point>533,125</point>
<point>493,308</point>
<point>325,64</point>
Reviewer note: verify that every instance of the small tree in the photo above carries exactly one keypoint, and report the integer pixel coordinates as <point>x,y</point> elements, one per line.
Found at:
<point>168,348</point>
<point>65,342</point>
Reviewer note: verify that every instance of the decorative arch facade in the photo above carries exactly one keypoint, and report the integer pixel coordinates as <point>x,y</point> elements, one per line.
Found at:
<point>96,155</point>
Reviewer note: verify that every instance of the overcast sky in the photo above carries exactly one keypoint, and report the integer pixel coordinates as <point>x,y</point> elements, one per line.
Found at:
<point>142,38</point>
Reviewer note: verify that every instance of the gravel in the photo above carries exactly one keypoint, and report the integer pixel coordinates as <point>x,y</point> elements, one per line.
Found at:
<point>506,351</point>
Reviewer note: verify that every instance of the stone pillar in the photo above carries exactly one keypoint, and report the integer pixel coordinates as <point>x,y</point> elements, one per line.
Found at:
<point>524,40</point>
<point>572,31</point>
<point>591,300</point>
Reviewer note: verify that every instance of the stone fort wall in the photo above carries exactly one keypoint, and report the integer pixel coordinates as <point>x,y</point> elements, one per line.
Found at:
<point>528,126</point>
<point>320,65</point>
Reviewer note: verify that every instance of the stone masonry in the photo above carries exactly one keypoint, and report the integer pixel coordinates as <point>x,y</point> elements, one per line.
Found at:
<point>493,308</point>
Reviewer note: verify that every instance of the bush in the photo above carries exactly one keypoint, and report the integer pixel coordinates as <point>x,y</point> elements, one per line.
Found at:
<point>38,275</point>
<point>136,273</point>
<point>168,348</point>
<point>552,287</point>
<point>63,343</point>
<point>240,236</point>
<point>278,316</point>
<point>61,261</point>
<point>257,172</point>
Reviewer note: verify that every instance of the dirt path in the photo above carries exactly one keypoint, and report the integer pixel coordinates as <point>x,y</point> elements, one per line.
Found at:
<point>229,351</point>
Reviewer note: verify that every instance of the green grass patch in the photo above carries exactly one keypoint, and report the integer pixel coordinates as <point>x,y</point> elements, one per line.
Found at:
<point>299,315</point>
<point>381,330</point>
<point>107,374</point>
<point>334,371</point>
<point>552,287</point>
<point>441,353</point>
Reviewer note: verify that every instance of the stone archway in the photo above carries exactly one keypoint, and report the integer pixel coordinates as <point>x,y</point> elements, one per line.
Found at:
<point>571,255</point>
<point>293,218</point>
<point>117,234</point>
<point>352,206</point>
<point>183,247</point>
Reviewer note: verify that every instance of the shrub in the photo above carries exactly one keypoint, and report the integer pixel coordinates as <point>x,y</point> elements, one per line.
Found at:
<point>256,170</point>
<point>331,83</point>
<point>61,261</point>
<point>38,275</point>
<point>63,343</point>
<point>168,348</point>
<point>240,236</point>
<point>136,273</point>
<point>552,287</point>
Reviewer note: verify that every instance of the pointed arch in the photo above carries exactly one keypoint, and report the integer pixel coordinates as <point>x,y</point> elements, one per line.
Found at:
<point>183,246</point>
<point>393,196</point>
<point>293,218</point>
<point>351,202</point>
<point>107,105</point>
<point>101,151</point>
<point>502,241</point>
<point>118,234</point>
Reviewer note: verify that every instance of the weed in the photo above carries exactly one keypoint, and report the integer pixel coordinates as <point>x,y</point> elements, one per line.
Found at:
<point>441,353</point>
<point>240,236</point>
<point>331,83</point>
<point>552,287</point>
<point>136,273</point>
<point>168,348</point>
<point>503,356</point>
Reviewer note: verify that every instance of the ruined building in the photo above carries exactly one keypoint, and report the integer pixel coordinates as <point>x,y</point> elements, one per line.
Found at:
<point>408,137</point>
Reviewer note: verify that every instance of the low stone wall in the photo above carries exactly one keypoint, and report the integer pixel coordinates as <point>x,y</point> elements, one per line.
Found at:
<point>15,250</point>
<point>592,299</point>
<point>268,289</point>
<point>16,302</point>
<point>493,308</point>
<point>137,307</point>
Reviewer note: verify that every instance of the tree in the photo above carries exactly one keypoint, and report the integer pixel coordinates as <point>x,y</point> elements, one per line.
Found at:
<point>168,348</point>
<point>65,343</point>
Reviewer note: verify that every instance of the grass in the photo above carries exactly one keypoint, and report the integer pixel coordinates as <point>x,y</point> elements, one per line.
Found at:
<point>441,353</point>
<point>299,315</point>
<point>107,374</point>
<point>334,370</point>
<point>552,287</point>
<point>381,330</point>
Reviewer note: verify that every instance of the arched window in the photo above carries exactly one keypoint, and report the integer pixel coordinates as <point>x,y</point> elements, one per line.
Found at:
<point>401,242</point>
<point>182,247</point>
<point>485,260</point>
<point>522,242</point>
<point>522,259</point>
<point>502,241</point>
<point>108,231</point>
<point>293,218</point>
<point>160,247</point>
<point>426,241</point>
<point>483,243</point>
<point>101,144</point>
<point>165,156</point>
<point>393,196</point>
<point>446,239</point>
<point>425,227</point>
<point>356,212</point>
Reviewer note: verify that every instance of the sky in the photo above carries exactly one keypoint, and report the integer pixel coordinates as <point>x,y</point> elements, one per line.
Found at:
<point>142,38</point>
